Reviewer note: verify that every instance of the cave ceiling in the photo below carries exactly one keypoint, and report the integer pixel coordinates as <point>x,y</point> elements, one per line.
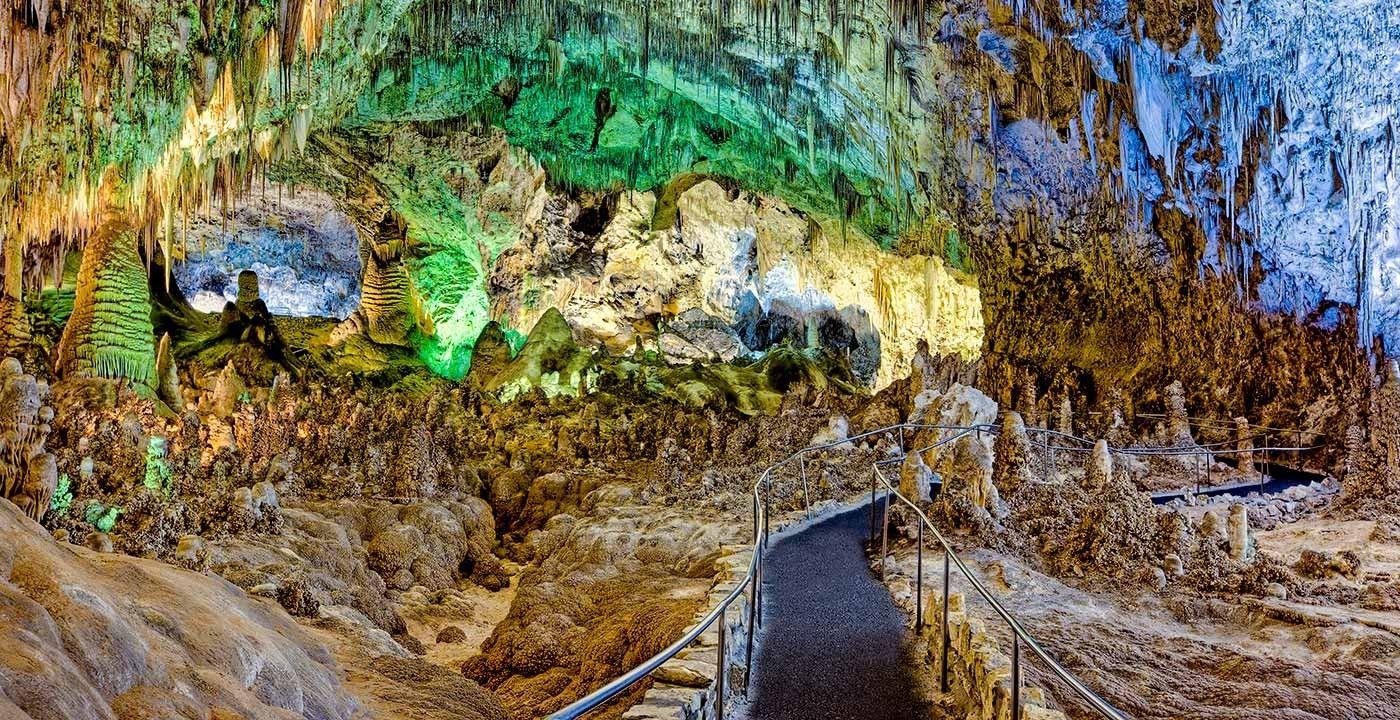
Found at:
<point>1251,143</point>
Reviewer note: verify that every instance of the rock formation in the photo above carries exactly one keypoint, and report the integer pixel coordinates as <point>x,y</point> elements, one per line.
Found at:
<point>915,479</point>
<point>109,333</point>
<point>1178,423</point>
<point>1064,419</point>
<point>1241,545</point>
<point>1011,470</point>
<point>28,473</point>
<point>1098,471</point>
<point>1244,444</point>
<point>126,637</point>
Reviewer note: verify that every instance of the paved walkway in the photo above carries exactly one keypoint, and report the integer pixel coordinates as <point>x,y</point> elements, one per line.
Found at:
<point>833,644</point>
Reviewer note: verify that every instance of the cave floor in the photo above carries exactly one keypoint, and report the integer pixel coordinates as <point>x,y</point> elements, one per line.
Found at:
<point>833,644</point>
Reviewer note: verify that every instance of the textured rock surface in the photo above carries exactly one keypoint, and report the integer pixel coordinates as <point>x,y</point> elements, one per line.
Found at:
<point>88,636</point>
<point>109,333</point>
<point>621,583</point>
<point>28,473</point>
<point>764,271</point>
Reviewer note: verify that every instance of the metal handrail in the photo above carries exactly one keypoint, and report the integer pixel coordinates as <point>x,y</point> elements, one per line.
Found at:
<point>1217,424</point>
<point>1019,634</point>
<point>752,578</point>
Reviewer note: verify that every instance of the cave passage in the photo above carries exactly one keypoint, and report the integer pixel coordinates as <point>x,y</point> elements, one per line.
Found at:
<point>833,644</point>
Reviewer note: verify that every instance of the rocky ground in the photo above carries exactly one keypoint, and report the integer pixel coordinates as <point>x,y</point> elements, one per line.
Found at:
<point>410,537</point>
<point>1215,619</point>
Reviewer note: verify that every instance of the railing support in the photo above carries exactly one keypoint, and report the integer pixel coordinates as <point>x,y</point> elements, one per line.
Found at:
<point>767,500</point>
<point>753,601</point>
<point>1049,470</point>
<point>874,477</point>
<point>1015,676</point>
<point>806,494</point>
<point>758,587</point>
<point>748,649</point>
<point>720,664</point>
<point>755,518</point>
<point>885,538</point>
<point>1268,441</point>
<point>919,581</point>
<point>943,653</point>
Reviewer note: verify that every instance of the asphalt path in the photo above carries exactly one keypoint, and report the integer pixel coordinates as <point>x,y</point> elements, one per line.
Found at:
<point>832,644</point>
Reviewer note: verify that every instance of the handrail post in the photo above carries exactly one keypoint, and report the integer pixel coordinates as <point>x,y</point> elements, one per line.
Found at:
<point>755,518</point>
<point>943,653</point>
<point>806,494</point>
<point>767,498</point>
<point>1048,457</point>
<point>720,666</point>
<point>885,538</point>
<point>1266,464</point>
<point>873,475</point>
<point>1015,676</point>
<point>748,649</point>
<point>919,581</point>
<point>901,439</point>
<point>758,586</point>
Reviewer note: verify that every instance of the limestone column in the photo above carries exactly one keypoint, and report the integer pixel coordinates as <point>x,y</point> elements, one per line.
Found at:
<point>1385,426</point>
<point>1011,468</point>
<point>1066,424</point>
<point>387,312</point>
<point>1098,472</point>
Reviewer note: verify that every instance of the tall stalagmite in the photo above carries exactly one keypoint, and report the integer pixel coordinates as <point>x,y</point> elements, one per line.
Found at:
<point>109,333</point>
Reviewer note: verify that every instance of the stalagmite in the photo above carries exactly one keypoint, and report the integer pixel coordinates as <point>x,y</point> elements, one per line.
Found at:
<point>1178,423</point>
<point>1241,544</point>
<point>388,310</point>
<point>1244,443</point>
<point>14,326</point>
<point>1066,417</point>
<point>1098,472</point>
<point>109,333</point>
<point>1027,402</point>
<point>28,474</point>
<point>1011,469</point>
<point>168,376</point>
<point>915,479</point>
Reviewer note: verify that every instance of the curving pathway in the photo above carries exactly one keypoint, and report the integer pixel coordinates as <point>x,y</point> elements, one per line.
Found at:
<point>833,644</point>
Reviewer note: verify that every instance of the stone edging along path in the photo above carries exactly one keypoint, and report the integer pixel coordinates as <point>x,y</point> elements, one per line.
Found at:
<point>979,668</point>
